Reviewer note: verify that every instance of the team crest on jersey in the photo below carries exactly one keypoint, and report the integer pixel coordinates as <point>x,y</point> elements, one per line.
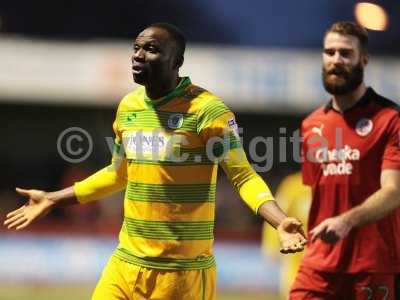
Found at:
<point>131,117</point>
<point>175,121</point>
<point>318,130</point>
<point>364,127</point>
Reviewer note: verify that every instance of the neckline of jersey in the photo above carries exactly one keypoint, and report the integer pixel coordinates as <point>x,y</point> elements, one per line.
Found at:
<point>364,100</point>
<point>179,90</point>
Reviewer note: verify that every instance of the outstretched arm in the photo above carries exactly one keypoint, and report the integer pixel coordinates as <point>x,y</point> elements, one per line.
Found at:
<point>374,208</point>
<point>258,197</point>
<point>39,204</point>
<point>216,121</point>
<point>109,180</point>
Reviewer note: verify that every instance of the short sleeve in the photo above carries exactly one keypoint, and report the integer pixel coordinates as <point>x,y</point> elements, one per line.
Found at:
<point>391,155</point>
<point>306,165</point>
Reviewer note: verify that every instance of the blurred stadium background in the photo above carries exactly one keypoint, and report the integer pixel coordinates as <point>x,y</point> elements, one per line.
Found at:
<point>67,64</point>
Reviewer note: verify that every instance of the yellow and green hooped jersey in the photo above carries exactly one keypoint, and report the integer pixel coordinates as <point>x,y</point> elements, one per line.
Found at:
<point>166,156</point>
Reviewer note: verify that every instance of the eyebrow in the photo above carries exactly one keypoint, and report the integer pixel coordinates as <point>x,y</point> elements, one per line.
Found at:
<point>339,48</point>
<point>152,41</point>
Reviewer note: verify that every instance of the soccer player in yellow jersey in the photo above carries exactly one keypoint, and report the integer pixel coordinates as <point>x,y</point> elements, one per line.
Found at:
<point>170,137</point>
<point>295,199</point>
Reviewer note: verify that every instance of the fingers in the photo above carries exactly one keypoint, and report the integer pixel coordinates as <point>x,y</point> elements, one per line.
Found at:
<point>296,222</point>
<point>15,212</point>
<point>330,237</point>
<point>292,249</point>
<point>23,192</point>
<point>300,230</point>
<point>289,224</point>
<point>295,246</point>
<point>318,231</point>
<point>292,236</point>
<point>303,240</point>
<point>12,219</point>
<point>326,231</point>
<point>23,225</point>
<point>17,221</point>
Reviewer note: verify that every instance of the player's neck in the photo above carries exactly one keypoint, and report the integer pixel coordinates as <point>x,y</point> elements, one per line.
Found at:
<point>160,88</point>
<point>342,103</point>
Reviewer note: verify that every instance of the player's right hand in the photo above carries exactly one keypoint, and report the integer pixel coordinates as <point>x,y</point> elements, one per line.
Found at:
<point>332,230</point>
<point>38,205</point>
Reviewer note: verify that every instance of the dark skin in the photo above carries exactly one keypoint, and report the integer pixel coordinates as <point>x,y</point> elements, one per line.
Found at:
<point>155,62</point>
<point>155,65</point>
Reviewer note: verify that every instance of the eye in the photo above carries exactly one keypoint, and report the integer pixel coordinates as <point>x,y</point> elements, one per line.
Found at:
<point>345,53</point>
<point>329,52</point>
<point>135,47</point>
<point>152,48</point>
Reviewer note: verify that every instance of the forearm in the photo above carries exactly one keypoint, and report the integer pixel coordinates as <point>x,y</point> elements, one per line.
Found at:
<point>272,213</point>
<point>63,197</point>
<point>374,208</point>
<point>251,187</point>
<point>255,193</point>
<point>101,184</point>
<point>96,186</point>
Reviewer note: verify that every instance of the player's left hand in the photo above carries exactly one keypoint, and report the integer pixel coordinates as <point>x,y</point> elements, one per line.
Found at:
<point>291,236</point>
<point>331,230</point>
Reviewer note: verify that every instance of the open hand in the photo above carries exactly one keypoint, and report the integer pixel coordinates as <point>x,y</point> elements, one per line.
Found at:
<point>291,236</point>
<point>38,205</point>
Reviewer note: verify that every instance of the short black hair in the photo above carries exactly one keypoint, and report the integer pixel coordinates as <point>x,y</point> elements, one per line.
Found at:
<point>353,29</point>
<point>176,34</point>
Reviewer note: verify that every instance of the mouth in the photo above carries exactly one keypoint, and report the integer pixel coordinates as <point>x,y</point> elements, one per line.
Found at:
<point>137,69</point>
<point>334,75</point>
<point>337,73</point>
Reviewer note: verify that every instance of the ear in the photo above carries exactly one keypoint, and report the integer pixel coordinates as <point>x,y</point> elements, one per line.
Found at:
<point>365,59</point>
<point>178,62</point>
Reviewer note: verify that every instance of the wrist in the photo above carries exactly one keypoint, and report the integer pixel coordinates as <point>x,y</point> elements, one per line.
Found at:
<point>350,219</point>
<point>62,197</point>
<point>53,198</point>
<point>272,213</point>
<point>282,220</point>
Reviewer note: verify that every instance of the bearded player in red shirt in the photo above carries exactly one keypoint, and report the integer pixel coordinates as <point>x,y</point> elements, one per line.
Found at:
<point>351,150</point>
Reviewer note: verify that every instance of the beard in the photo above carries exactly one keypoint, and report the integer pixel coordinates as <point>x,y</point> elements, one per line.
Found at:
<point>347,81</point>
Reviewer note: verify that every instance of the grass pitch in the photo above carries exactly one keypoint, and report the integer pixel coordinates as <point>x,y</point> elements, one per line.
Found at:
<point>78,292</point>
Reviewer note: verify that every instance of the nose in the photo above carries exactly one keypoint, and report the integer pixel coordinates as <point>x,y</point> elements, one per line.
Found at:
<point>138,55</point>
<point>337,58</point>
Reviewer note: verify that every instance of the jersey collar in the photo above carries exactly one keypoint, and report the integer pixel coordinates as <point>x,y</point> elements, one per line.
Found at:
<point>368,96</point>
<point>178,91</point>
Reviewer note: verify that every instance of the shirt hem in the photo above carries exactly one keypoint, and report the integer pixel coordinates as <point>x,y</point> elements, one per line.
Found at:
<point>165,263</point>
